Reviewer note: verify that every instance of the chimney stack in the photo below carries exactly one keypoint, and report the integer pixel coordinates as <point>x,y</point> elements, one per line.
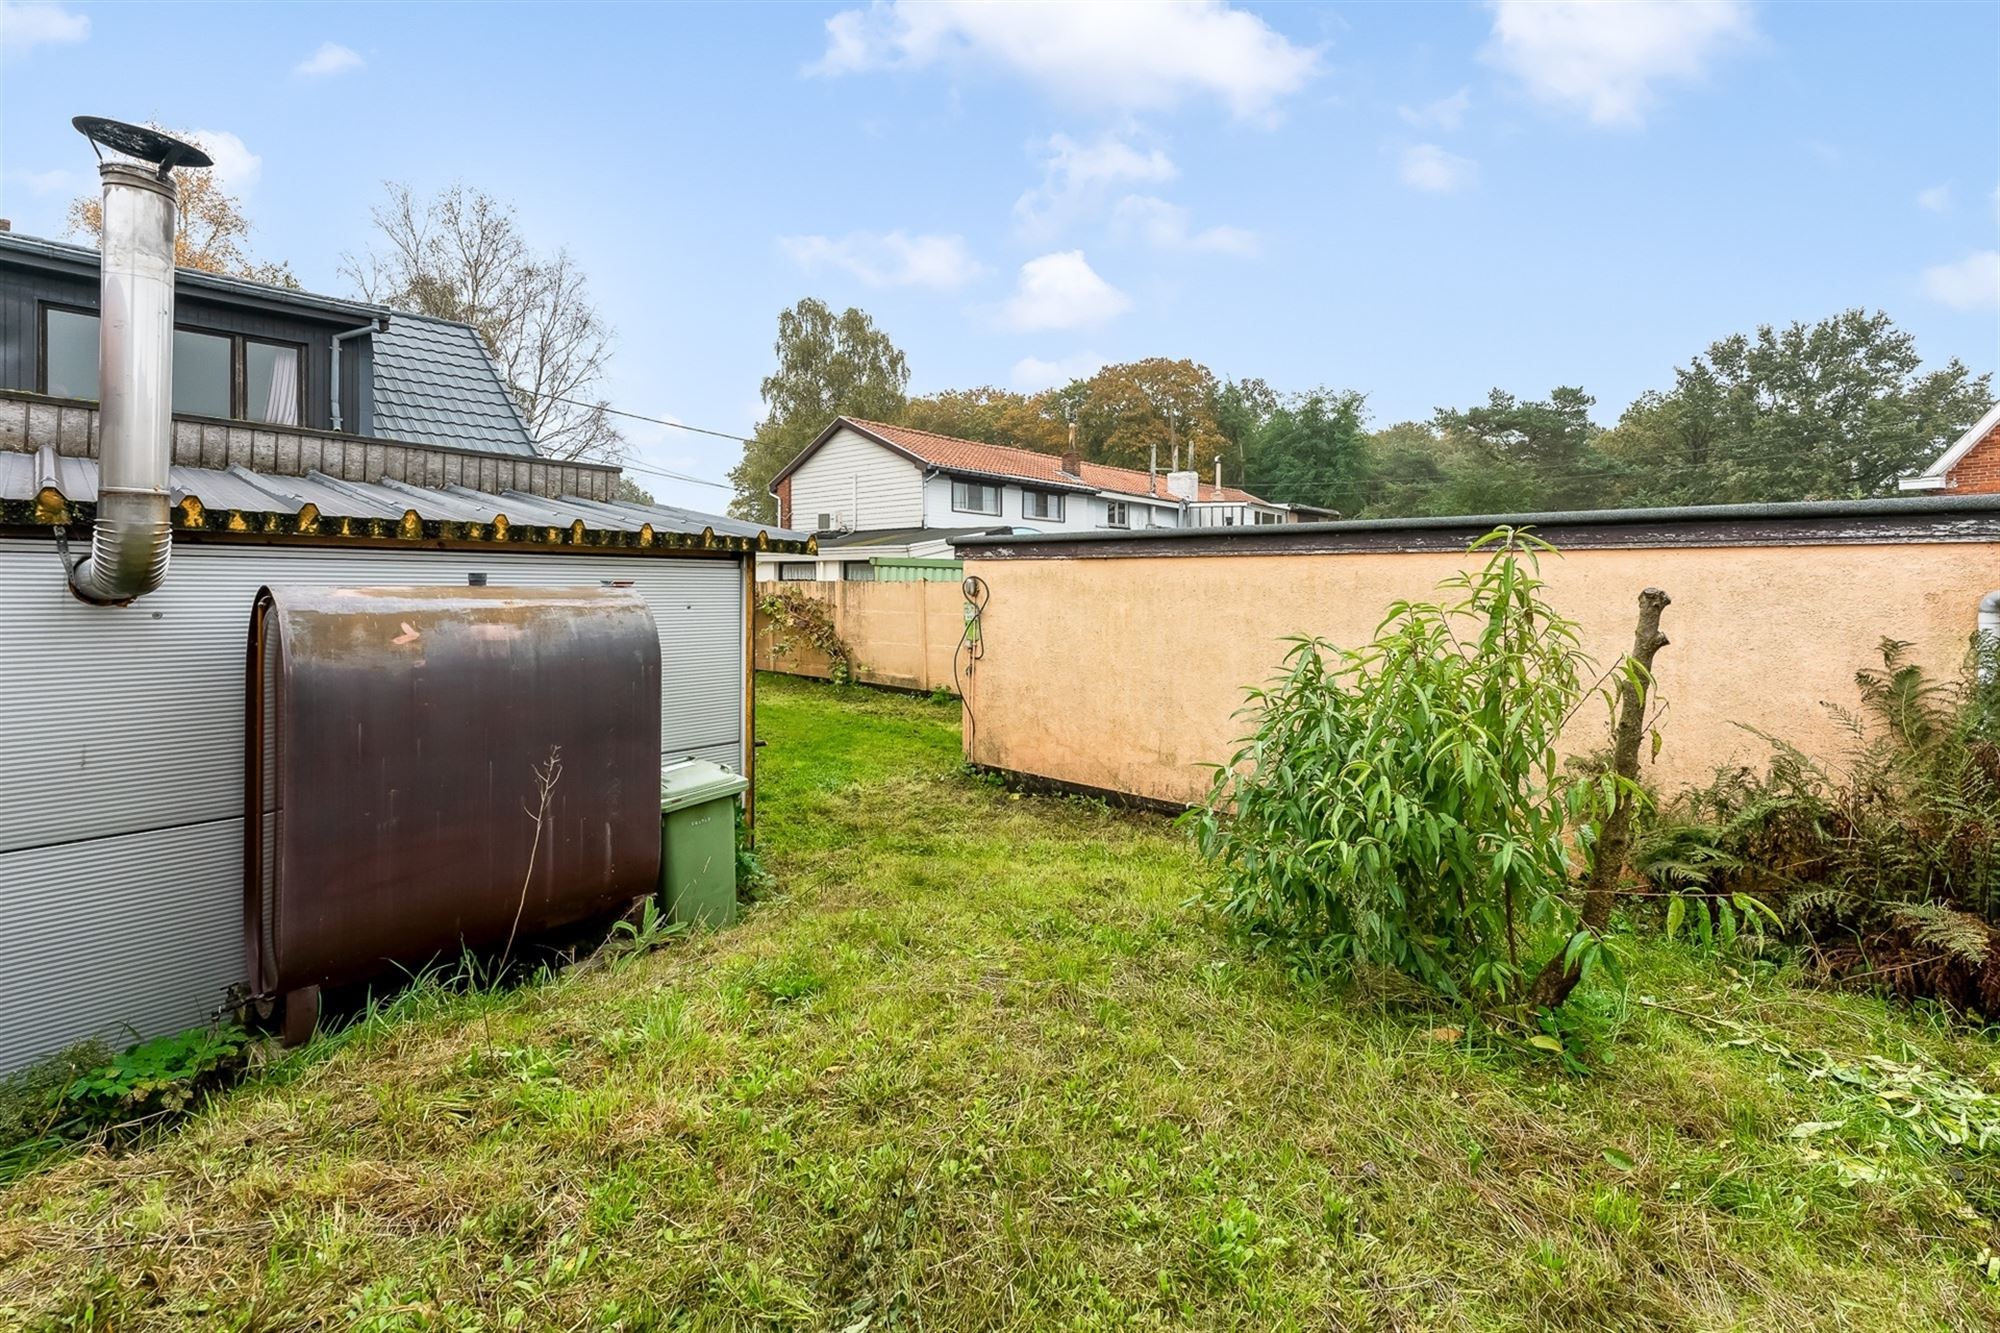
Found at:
<point>133,536</point>
<point>1072,459</point>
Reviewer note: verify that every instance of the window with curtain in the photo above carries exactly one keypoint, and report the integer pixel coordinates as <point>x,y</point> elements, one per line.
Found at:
<point>271,382</point>
<point>215,374</point>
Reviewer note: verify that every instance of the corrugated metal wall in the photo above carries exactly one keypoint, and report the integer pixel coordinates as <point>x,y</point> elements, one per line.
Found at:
<point>121,798</point>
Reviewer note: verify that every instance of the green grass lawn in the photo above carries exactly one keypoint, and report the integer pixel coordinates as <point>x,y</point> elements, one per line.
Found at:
<point>974,1062</point>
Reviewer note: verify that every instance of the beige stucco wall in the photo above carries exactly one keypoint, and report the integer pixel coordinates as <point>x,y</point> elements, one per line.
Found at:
<point>902,634</point>
<point>1123,674</point>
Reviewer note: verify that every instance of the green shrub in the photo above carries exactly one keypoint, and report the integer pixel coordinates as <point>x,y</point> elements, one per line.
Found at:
<point>162,1075</point>
<point>752,879</point>
<point>1887,865</point>
<point>88,1090</point>
<point>1401,804</point>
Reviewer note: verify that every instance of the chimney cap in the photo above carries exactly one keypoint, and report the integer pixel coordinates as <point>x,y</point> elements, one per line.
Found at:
<point>141,141</point>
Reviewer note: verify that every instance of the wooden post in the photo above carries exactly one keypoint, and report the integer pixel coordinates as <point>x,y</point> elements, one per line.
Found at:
<point>1614,839</point>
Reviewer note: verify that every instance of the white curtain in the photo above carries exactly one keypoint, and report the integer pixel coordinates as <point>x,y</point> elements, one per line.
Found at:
<point>283,406</point>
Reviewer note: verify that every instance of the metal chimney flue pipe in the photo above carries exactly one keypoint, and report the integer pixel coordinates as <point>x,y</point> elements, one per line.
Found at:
<point>133,537</point>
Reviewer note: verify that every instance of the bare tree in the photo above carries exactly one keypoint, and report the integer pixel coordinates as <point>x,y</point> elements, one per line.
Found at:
<point>459,254</point>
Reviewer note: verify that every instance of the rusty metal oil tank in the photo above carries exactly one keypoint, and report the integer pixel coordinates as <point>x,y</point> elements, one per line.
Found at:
<point>437,768</point>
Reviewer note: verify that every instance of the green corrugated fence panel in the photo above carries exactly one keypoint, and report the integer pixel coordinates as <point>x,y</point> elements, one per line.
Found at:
<point>892,570</point>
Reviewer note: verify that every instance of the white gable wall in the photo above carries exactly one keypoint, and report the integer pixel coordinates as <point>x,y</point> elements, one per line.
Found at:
<point>863,485</point>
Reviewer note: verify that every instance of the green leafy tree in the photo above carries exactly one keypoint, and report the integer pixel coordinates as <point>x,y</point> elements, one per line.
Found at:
<point>1528,454</point>
<point>992,416</point>
<point>1309,450</point>
<point>1401,466</point>
<point>631,492</point>
<point>1833,410</point>
<point>1241,409</point>
<point>828,366</point>
<point>1126,411</point>
<point>1401,804</point>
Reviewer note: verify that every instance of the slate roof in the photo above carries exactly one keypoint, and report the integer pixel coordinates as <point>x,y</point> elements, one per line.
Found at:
<point>1007,463</point>
<point>435,384</point>
<point>24,475</point>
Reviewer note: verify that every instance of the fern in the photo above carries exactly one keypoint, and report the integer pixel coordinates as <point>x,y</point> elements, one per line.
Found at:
<point>1892,856</point>
<point>1958,934</point>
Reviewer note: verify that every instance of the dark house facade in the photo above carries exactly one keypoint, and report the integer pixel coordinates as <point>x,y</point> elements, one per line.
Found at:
<point>253,354</point>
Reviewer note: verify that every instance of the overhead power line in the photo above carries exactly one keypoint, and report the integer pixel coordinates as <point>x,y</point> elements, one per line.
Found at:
<point>609,410</point>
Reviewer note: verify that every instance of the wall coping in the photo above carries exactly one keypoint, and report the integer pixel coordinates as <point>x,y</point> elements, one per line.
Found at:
<point>1957,518</point>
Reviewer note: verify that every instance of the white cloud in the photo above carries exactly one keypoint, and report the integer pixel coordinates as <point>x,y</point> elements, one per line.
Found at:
<point>1604,57</point>
<point>1078,178</point>
<point>1129,54</point>
<point>1447,113</point>
<point>1031,374</point>
<point>1937,199</point>
<point>25,27</point>
<point>889,259</point>
<point>1062,291</point>
<point>236,167</point>
<point>331,58</point>
<point>1164,226</point>
<point>1973,283</point>
<point>1426,166</point>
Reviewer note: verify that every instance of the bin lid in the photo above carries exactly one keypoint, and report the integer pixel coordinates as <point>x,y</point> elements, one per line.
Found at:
<point>693,781</point>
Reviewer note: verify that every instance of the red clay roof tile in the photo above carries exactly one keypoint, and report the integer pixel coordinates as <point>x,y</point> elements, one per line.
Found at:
<point>1028,465</point>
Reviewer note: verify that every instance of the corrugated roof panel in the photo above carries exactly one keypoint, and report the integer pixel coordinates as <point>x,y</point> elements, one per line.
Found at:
<point>22,476</point>
<point>674,518</point>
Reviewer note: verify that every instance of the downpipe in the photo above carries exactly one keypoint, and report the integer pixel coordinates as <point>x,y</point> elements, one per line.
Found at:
<point>1989,634</point>
<point>133,535</point>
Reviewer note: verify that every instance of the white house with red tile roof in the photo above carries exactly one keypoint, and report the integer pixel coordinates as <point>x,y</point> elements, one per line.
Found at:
<point>1970,467</point>
<point>892,492</point>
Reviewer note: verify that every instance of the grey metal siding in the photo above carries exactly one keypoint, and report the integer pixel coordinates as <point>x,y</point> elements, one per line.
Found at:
<point>123,937</point>
<point>121,823</point>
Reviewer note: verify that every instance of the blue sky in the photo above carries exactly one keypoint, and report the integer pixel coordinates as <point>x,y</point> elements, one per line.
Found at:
<point>1419,202</point>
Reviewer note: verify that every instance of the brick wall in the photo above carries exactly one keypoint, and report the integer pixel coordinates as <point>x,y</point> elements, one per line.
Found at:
<point>1978,473</point>
<point>784,489</point>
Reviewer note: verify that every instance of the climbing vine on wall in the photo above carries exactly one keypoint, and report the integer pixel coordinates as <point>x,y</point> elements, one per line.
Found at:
<point>800,616</point>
